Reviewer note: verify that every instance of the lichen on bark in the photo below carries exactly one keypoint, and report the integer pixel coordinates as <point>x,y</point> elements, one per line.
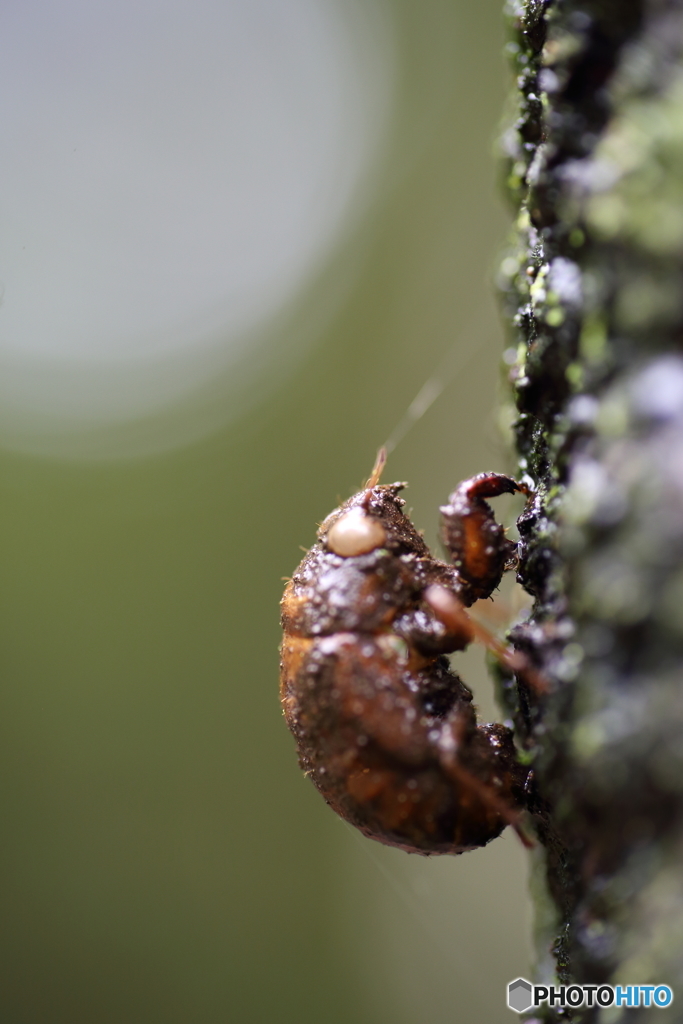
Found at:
<point>593,291</point>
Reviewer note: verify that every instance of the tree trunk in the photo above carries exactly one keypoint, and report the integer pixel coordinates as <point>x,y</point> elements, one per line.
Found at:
<point>594,294</point>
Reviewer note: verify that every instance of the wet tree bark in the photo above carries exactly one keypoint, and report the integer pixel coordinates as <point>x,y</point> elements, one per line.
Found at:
<point>594,295</point>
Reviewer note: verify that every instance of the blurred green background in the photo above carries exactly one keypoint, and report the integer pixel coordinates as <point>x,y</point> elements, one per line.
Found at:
<point>163,859</point>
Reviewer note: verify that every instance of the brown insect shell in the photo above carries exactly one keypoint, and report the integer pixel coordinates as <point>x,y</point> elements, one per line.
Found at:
<point>373,706</point>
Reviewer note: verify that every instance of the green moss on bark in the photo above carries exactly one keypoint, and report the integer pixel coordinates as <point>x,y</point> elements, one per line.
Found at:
<point>593,290</point>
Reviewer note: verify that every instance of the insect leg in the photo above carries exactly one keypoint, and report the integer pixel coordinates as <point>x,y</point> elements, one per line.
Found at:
<point>453,614</point>
<point>453,752</point>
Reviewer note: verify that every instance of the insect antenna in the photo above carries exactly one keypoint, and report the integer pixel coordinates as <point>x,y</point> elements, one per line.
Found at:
<point>380,463</point>
<point>453,365</point>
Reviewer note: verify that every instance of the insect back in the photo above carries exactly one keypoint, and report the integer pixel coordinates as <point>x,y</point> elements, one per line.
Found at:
<point>384,728</point>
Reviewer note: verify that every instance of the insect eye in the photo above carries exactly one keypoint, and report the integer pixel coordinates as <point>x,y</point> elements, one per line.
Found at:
<point>355,533</point>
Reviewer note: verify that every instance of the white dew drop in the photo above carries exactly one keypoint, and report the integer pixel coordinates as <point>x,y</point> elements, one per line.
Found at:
<point>355,533</point>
